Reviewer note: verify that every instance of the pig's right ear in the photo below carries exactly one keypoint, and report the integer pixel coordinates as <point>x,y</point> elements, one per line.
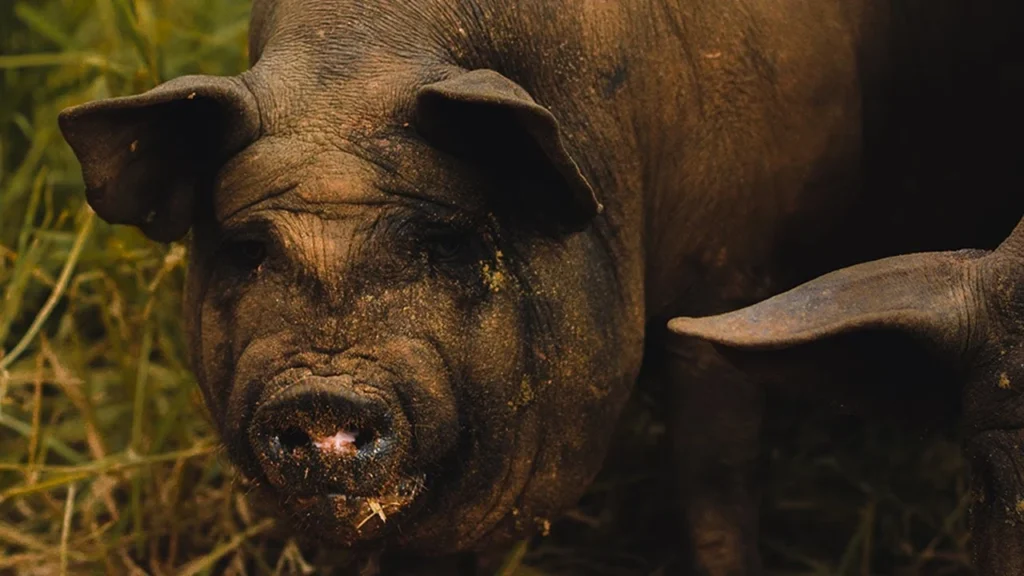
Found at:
<point>144,158</point>
<point>489,119</point>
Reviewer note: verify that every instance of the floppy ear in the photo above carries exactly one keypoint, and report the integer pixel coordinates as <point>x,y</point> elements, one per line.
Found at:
<point>922,295</point>
<point>886,336</point>
<point>930,296</point>
<point>145,157</point>
<point>489,119</point>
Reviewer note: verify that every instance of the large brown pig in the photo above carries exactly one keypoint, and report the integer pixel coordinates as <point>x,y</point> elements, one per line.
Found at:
<point>434,241</point>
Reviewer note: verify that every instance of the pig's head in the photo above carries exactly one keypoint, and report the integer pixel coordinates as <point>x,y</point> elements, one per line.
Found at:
<point>968,308</point>
<point>403,316</point>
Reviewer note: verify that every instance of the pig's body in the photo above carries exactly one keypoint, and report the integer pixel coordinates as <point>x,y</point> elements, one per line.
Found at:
<point>737,148</point>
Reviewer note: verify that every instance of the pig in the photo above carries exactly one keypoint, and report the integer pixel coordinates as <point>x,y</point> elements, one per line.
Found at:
<point>434,245</point>
<point>968,306</point>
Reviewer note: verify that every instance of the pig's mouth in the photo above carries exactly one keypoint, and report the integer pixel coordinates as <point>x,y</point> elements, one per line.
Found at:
<point>350,519</point>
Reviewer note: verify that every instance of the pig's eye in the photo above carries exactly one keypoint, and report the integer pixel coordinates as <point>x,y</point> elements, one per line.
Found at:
<point>246,254</point>
<point>449,246</point>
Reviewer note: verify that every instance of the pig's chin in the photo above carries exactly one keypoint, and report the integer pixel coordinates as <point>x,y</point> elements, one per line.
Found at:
<point>349,520</point>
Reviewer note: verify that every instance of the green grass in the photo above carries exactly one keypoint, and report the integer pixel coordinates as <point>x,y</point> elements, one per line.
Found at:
<point>109,465</point>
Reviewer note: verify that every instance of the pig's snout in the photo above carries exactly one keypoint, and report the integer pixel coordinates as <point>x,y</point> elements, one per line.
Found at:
<point>326,436</point>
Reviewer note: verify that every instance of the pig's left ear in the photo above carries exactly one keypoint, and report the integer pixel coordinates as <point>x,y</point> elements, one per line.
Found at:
<point>487,118</point>
<point>146,157</point>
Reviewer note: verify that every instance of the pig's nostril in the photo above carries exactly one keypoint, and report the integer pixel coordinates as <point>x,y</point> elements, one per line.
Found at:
<point>364,438</point>
<point>293,440</point>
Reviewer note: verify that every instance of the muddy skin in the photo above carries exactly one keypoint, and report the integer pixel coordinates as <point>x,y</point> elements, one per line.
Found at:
<point>432,243</point>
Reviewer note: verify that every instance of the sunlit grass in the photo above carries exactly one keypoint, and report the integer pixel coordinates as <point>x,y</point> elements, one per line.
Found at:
<point>106,460</point>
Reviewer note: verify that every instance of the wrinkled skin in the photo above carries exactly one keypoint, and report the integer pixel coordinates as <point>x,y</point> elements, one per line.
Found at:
<point>432,243</point>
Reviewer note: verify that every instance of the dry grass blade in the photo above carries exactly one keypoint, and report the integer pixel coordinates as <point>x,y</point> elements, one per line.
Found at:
<point>205,562</point>
<point>377,509</point>
<point>66,530</point>
<point>13,535</point>
<point>55,295</point>
<point>56,59</point>
<point>123,463</point>
<point>514,559</point>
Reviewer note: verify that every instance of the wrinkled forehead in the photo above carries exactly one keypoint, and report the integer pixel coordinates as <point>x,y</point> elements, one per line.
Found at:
<point>336,84</point>
<point>320,176</point>
<point>339,74</point>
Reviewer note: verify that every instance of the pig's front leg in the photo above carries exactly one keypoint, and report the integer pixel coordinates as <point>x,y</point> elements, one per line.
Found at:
<point>715,422</point>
